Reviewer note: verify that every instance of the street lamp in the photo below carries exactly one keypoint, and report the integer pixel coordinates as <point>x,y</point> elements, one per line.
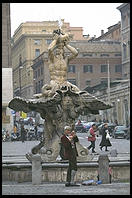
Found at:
<point>109,111</point>
<point>108,82</point>
<point>20,67</point>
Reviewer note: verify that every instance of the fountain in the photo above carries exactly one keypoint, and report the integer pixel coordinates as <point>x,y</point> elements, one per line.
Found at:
<point>60,102</point>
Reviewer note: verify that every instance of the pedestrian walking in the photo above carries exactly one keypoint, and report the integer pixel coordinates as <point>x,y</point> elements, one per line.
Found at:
<point>92,137</point>
<point>22,133</point>
<point>68,141</point>
<point>104,141</point>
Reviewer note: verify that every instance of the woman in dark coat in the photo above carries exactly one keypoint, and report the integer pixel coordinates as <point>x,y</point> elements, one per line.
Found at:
<point>105,142</point>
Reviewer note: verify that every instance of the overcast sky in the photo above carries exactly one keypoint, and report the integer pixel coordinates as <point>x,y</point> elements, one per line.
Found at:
<point>93,17</point>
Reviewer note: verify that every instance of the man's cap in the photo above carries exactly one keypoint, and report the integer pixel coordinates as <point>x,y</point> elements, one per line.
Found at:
<point>67,128</point>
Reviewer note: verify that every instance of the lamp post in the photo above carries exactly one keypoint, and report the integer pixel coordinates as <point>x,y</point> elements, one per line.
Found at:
<point>108,89</point>
<point>108,82</point>
<point>20,67</point>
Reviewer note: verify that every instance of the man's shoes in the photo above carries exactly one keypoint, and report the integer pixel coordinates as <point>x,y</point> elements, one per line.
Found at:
<point>75,185</point>
<point>106,150</point>
<point>68,184</point>
<point>101,148</point>
<point>93,152</point>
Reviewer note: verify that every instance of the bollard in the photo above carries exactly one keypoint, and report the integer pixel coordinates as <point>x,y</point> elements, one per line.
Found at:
<point>36,170</point>
<point>104,169</point>
<point>113,153</point>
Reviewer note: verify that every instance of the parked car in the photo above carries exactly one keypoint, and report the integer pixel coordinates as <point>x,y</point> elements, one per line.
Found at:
<point>120,131</point>
<point>88,125</point>
<point>29,120</point>
<point>31,136</point>
<point>128,133</point>
<point>40,131</point>
<point>83,127</point>
<point>79,126</point>
<point>15,136</point>
<point>111,127</point>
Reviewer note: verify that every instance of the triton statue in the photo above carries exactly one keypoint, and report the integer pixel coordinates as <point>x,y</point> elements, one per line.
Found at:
<point>60,102</point>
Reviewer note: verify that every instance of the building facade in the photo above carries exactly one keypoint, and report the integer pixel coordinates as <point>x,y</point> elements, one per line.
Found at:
<point>119,98</point>
<point>6,36</point>
<point>90,67</point>
<point>125,35</point>
<point>113,33</point>
<point>120,92</point>
<point>7,87</point>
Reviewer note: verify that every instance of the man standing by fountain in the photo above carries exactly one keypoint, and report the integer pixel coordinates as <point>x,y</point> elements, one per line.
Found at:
<point>70,153</point>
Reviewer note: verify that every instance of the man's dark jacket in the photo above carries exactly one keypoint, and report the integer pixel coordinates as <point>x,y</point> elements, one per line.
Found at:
<point>69,152</point>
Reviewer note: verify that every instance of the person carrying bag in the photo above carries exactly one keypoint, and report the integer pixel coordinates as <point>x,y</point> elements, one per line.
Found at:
<point>105,138</point>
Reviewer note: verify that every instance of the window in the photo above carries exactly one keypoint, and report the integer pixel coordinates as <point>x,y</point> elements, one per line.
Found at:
<point>104,54</point>
<point>37,52</point>
<point>42,69</point>
<point>118,78</point>
<point>35,74</point>
<point>85,54</point>
<point>104,80</point>
<point>41,83</point>
<point>123,21</point>
<point>37,42</point>
<point>73,81</point>
<point>71,68</point>
<point>118,68</point>
<point>124,50</point>
<point>48,41</point>
<point>39,87</point>
<point>119,54</point>
<point>36,87</point>
<point>43,30</point>
<point>88,68</point>
<point>38,72</point>
<point>88,82</point>
<point>104,68</point>
<point>128,48</point>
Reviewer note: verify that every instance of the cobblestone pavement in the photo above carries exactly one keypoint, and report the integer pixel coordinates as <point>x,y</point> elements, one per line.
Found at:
<point>18,148</point>
<point>10,188</point>
<point>15,151</point>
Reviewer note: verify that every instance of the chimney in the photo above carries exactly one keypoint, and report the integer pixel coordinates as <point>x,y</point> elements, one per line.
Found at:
<point>102,32</point>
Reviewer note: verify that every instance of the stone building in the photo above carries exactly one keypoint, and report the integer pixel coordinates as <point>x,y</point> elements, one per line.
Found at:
<point>113,33</point>
<point>119,90</point>
<point>119,98</point>
<point>29,41</point>
<point>7,87</point>
<point>6,36</point>
<point>125,35</point>
<point>90,67</point>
